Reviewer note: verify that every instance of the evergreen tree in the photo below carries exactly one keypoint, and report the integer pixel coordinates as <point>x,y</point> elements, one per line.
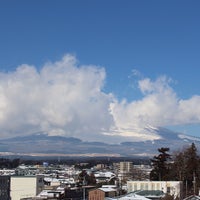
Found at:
<point>186,168</point>
<point>92,179</point>
<point>83,177</point>
<point>86,179</point>
<point>160,164</point>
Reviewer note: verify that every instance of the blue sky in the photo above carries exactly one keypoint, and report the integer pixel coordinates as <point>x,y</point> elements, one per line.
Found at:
<point>153,38</point>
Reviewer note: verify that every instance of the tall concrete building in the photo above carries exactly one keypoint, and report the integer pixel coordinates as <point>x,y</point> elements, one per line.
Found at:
<point>25,186</point>
<point>125,170</point>
<point>125,167</point>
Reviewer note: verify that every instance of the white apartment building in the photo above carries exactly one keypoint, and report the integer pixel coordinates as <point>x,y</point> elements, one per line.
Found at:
<point>25,186</point>
<point>125,167</point>
<point>168,187</point>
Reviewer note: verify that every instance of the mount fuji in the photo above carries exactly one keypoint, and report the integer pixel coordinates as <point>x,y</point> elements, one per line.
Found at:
<point>43,144</point>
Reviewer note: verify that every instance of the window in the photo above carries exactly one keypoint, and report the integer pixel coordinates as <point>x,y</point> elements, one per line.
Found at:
<point>135,186</point>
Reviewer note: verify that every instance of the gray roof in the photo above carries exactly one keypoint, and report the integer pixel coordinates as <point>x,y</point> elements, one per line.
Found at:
<point>193,197</point>
<point>149,193</point>
<point>129,196</point>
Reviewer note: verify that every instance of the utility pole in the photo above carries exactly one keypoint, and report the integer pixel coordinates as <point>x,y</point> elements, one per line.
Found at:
<point>84,187</point>
<point>194,183</point>
<point>186,188</point>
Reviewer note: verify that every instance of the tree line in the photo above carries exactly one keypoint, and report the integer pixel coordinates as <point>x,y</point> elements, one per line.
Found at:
<point>9,164</point>
<point>180,166</point>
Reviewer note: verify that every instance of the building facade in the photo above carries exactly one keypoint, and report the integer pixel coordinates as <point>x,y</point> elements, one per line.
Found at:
<point>5,187</point>
<point>168,187</point>
<point>125,167</point>
<point>101,193</point>
<point>26,186</point>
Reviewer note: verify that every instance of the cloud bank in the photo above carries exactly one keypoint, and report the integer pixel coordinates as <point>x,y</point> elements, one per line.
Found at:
<point>64,98</point>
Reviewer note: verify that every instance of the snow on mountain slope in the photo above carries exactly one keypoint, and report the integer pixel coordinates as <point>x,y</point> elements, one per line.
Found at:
<point>43,143</point>
<point>189,138</point>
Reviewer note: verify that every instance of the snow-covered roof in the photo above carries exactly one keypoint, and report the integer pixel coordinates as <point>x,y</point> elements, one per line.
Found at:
<point>130,196</point>
<point>108,189</point>
<point>49,193</point>
<point>104,174</point>
<point>48,179</point>
<point>108,186</point>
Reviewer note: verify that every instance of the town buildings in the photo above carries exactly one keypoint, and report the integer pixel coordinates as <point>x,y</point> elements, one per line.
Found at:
<point>62,182</point>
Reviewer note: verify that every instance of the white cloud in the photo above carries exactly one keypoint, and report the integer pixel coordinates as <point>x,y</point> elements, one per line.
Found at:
<point>60,98</point>
<point>159,107</point>
<point>67,99</point>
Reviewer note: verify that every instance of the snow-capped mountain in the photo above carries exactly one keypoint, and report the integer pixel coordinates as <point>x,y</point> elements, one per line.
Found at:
<point>42,143</point>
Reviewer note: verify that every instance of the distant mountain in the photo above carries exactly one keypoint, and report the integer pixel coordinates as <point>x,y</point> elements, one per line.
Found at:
<point>40,136</point>
<point>41,143</point>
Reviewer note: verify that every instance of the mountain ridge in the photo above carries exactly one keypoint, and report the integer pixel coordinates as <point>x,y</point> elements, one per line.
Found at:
<point>43,143</point>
